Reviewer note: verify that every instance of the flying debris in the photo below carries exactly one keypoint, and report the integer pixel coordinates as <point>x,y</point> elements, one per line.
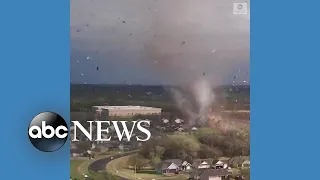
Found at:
<point>123,21</point>
<point>183,42</point>
<point>78,30</point>
<point>204,74</point>
<point>244,81</point>
<point>214,51</point>
<point>88,57</point>
<point>97,68</point>
<point>81,74</point>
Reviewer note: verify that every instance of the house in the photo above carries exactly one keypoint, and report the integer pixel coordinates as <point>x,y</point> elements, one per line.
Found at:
<point>172,166</point>
<point>201,164</point>
<point>219,164</point>
<point>168,166</point>
<point>165,121</point>
<point>194,129</point>
<point>213,174</point>
<point>239,162</point>
<point>178,121</point>
<point>185,166</point>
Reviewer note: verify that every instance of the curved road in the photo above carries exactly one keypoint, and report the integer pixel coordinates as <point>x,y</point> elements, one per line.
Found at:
<point>100,165</point>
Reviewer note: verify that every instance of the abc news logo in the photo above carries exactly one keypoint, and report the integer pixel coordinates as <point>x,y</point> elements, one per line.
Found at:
<point>48,131</point>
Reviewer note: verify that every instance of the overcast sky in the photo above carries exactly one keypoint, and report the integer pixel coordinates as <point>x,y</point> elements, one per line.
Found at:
<point>158,41</point>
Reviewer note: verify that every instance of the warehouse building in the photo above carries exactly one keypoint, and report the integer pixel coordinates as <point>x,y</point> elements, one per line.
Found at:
<point>123,111</point>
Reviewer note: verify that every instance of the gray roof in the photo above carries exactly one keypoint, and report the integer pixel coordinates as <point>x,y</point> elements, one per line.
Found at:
<point>217,160</point>
<point>197,162</point>
<point>205,174</point>
<point>166,163</point>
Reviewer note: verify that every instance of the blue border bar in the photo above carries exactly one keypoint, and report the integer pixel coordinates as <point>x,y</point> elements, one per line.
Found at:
<point>35,77</point>
<point>285,121</point>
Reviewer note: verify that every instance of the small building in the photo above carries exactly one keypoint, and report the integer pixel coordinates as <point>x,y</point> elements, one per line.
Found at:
<point>103,112</point>
<point>166,167</point>
<point>213,174</point>
<point>172,166</point>
<point>202,164</point>
<point>165,121</point>
<point>185,166</point>
<point>219,164</point>
<point>178,121</point>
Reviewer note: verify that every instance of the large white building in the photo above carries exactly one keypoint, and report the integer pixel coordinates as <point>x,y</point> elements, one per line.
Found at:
<point>122,111</point>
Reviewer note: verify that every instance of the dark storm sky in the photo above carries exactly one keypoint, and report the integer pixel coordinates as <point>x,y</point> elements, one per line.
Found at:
<point>162,41</point>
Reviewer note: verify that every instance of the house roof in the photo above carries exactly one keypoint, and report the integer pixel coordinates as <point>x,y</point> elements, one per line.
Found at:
<point>164,165</point>
<point>197,162</point>
<point>238,159</point>
<point>205,174</point>
<point>185,163</point>
<point>178,162</point>
<point>218,161</point>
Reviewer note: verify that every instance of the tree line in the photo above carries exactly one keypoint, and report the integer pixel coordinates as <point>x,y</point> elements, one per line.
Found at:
<point>204,143</point>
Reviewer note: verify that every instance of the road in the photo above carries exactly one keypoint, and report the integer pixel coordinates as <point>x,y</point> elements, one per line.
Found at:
<point>100,165</point>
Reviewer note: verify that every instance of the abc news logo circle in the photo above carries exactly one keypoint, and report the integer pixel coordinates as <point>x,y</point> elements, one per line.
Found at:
<point>48,131</point>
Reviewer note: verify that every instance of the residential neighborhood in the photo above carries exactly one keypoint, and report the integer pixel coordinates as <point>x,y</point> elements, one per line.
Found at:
<point>204,169</point>
<point>176,165</point>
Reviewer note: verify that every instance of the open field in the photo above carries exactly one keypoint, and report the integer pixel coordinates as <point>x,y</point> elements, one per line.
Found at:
<point>118,167</point>
<point>74,167</point>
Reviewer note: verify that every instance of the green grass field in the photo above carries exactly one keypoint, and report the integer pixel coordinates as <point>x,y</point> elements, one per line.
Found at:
<point>74,167</point>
